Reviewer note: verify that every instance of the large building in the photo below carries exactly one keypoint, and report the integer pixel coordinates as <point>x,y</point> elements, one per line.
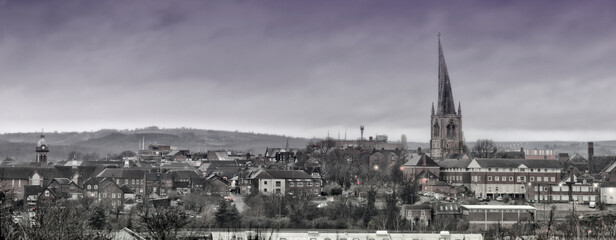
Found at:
<point>446,124</point>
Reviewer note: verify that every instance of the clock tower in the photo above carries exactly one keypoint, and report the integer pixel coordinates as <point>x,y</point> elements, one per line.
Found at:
<point>41,150</point>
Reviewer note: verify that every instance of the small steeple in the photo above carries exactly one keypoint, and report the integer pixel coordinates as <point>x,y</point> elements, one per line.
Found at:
<point>459,109</point>
<point>432,108</point>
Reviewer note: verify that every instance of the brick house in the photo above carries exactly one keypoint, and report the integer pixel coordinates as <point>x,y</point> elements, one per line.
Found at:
<point>417,214</point>
<point>105,190</point>
<point>135,179</point>
<point>61,188</point>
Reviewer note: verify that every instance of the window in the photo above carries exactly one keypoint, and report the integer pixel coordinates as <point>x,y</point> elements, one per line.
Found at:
<point>95,186</point>
<point>510,178</point>
<point>89,186</point>
<point>309,184</point>
<point>277,183</point>
<point>316,184</point>
<point>489,169</point>
<point>532,179</point>
<point>490,178</point>
<point>265,190</point>
<point>300,184</point>
<point>480,178</point>
<point>497,178</point>
<point>113,195</point>
<point>496,189</point>
<point>277,190</point>
<point>291,184</point>
<point>538,179</point>
<point>423,213</point>
<point>265,182</point>
<point>553,179</point>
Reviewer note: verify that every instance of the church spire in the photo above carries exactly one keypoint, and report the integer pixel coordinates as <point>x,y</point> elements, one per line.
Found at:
<point>445,96</point>
<point>459,109</point>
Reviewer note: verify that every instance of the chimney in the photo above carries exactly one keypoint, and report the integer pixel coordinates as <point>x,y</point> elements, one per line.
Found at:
<point>419,151</point>
<point>571,175</point>
<point>423,158</point>
<point>591,153</point>
<point>370,139</point>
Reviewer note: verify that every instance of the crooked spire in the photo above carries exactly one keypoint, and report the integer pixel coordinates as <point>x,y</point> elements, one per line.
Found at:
<point>445,97</point>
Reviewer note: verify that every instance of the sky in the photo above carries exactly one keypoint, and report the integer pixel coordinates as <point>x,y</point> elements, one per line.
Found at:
<point>522,70</point>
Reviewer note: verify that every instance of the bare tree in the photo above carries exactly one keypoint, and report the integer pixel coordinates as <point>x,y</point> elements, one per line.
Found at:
<point>163,223</point>
<point>484,148</point>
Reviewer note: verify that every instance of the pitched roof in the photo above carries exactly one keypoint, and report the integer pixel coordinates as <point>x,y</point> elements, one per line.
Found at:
<point>122,173</point>
<point>514,163</point>
<point>126,189</point>
<point>25,172</point>
<point>609,167</point>
<point>421,160</point>
<point>282,174</point>
<point>454,163</point>
<point>426,174</point>
<point>185,174</point>
<point>33,190</point>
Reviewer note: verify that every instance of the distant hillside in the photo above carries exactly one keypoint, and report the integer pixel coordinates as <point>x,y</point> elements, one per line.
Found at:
<point>108,141</point>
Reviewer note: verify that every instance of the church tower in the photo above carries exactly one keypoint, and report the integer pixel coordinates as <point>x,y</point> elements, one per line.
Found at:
<point>41,150</point>
<point>446,124</point>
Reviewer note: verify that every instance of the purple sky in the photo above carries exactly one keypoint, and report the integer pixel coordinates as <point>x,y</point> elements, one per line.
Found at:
<point>523,70</point>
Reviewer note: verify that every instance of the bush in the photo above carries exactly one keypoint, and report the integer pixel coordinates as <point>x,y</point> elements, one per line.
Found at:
<point>336,191</point>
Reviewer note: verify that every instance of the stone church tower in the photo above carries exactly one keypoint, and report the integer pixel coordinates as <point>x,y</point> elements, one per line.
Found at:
<point>41,150</point>
<point>447,138</point>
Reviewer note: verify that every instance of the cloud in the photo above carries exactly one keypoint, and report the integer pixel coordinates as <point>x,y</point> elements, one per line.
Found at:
<point>301,68</point>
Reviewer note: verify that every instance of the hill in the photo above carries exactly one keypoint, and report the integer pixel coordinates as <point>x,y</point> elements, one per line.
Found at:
<point>21,146</point>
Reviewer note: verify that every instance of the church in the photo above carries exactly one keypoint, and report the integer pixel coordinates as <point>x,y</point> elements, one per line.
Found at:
<point>446,136</point>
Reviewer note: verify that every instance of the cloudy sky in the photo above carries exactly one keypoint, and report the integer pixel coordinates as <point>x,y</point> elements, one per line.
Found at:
<point>523,70</point>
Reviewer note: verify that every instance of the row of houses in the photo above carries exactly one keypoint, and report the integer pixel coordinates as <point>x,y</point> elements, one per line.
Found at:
<point>479,217</point>
<point>537,180</point>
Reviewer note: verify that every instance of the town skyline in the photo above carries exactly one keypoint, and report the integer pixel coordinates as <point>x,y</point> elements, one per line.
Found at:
<point>522,72</point>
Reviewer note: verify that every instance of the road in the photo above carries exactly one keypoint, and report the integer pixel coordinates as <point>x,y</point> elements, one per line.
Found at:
<point>239,202</point>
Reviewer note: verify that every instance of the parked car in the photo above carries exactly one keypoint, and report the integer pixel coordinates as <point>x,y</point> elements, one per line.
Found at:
<point>500,198</point>
<point>592,204</point>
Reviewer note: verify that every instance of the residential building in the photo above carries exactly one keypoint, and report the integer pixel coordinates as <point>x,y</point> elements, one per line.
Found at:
<point>419,215</point>
<point>292,182</point>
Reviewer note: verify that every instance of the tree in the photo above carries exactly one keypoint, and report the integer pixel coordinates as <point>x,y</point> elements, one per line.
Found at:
<point>370,210</point>
<point>59,220</point>
<point>98,219</point>
<point>163,223</point>
<point>227,215</point>
<point>484,148</point>
<point>392,212</point>
<point>409,192</point>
